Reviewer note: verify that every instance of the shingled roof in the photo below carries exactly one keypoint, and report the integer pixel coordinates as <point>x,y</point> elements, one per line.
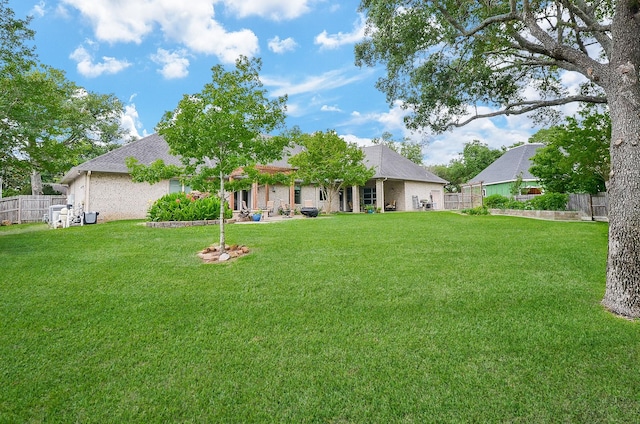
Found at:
<point>387,163</point>
<point>507,167</point>
<point>146,150</point>
<point>392,165</point>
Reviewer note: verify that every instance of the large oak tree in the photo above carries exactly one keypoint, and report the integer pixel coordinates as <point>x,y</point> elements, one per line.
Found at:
<point>47,123</point>
<point>452,61</point>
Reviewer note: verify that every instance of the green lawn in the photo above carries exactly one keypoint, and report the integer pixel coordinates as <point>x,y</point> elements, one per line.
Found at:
<point>397,317</point>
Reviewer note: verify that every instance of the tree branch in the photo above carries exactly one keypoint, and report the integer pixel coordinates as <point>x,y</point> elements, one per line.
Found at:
<point>506,17</point>
<point>585,13</point>
<point>564,56</point>
<point>520,108</point>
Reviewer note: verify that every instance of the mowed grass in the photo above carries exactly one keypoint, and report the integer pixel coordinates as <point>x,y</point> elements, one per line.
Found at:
<point>397,317</point>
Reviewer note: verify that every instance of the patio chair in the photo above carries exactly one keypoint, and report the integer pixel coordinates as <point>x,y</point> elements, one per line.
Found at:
<point>63,218</point>
<point>285,209</point>
<point>270,208</point>
<point>244,211</point>
<point>390,206</point>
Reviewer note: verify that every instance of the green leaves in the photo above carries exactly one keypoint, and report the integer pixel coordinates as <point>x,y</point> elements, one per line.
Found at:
<point>153,173</point>
<point>475,157</point>
<point>576,156</point>
<point>184,207</point>
<point>446,60</point>
<point>223,127</point>
<point>47,123</point>
<point>330,162</point>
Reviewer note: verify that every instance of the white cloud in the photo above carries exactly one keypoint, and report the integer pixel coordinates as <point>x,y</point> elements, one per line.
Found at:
<point>327,108</point>
<point>38,9</point>
<point>295,110</point>
<point>130,120</point>
<point>314,83</point>
<point>86,66</point>
<point>362,142</point>
<point>333,41</point>
<point>279,46</point>
<point>441,148</point>
<point>494,132</point>
<point>276,10</point>
<point>189,23</point>
<point>174,64</point>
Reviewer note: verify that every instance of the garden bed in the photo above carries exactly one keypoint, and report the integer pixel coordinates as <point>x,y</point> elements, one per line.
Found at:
<point>550,215</point>
<point>179,224</point>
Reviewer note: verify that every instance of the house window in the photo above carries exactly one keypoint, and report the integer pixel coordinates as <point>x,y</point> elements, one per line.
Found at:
<point>175,186</point>
<point>297,194</point>
<point>323,195</point>
<point>369,195</point>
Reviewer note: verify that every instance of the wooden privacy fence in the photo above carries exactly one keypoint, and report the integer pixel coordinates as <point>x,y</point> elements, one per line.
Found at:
<point>457,201</point>
<point>594,206</point>
<point>23,209</point>
<point>591,206</point>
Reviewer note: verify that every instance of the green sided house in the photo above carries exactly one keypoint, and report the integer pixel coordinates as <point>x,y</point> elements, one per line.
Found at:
<point>103,184</point>
<point>500,176</point>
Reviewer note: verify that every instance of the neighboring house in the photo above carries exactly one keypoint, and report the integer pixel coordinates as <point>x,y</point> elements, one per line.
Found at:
<point>399,180</point>
<point>103,184</point>
<point>502,174</point>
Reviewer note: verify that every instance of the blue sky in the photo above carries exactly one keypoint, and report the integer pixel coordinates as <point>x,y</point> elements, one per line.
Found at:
<point>151,52</point>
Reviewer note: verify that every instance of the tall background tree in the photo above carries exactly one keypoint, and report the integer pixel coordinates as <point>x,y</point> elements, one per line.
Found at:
<point>576,156</point>
<point>475,157</point>
<point>224,127</point>
<point>449,61</point>
<point>331,163</point>
<point>47,123</point>
<point>411,150</point>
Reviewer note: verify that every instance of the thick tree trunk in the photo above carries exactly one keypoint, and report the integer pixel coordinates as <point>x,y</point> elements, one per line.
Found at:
<point>36,183</point>
<point>622,295</point>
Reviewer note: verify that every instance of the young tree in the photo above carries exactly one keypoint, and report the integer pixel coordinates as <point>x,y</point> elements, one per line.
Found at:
<point>225,127</point>
<point>47,123</point>
<point>331,163</point>
<point>448,60</point>
<point>576,156</point>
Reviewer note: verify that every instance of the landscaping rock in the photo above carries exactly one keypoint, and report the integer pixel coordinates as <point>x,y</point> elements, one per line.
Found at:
<point>213,253</point>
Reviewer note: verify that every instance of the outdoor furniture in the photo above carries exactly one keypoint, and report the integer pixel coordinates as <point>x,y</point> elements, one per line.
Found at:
<point>269,209</point>
<point>285,209</point>
<point>309,212</point>
<point>64,218</point>
<point>390,206</point>
<point>244,211</point>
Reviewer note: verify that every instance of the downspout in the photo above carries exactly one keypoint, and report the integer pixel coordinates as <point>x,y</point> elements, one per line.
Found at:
<point>87,192</point>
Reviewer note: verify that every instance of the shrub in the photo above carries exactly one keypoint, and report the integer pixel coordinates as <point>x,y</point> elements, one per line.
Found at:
<point>480,210</point>
<point>183,207</point>
<point>550,202</point>
<point>496,201</point>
